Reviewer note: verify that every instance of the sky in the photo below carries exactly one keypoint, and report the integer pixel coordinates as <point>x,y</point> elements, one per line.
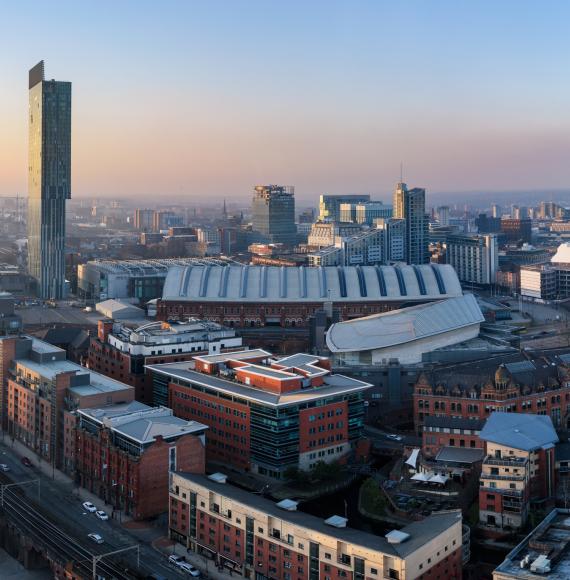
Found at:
<point>204,99</point>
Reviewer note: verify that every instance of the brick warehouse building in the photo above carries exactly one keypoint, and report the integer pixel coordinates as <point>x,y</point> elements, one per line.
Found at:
<point>40,386</point>
<point>272,305</point>
<point>266,415</point>
<point>537,383</point>
<point>255,538</point>
<point>124,454</point>
<point>122,353</point>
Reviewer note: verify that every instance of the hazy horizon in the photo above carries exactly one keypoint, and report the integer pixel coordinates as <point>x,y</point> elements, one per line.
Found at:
<point>204,100</point>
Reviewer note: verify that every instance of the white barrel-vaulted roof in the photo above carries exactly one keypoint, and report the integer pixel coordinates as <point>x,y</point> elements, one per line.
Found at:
<point>406,325</point>
<point>311,284</point>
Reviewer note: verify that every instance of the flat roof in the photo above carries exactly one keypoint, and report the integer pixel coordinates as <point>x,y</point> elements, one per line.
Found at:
<point>333,385</point>
<point>420,532</point>
<point>460,455</point>
<point>238,355</point>
<point>142,423</point>
<point>554,534</point>
<point>98,383</point>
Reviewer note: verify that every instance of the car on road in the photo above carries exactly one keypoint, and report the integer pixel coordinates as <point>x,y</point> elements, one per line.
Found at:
<point>88,506</point>
<point>189,569</point>
<point>102,515</point>
<point>394,437</point>
<point>26,462</point>
<point>4,467</point>
<point>95,538</point>
<point>176,559</point>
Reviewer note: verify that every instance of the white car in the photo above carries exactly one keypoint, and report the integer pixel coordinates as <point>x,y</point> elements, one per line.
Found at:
<point>176,559</point>
<point>394,437</point>
<point>4,467</point>
<point>95,538</point>
<point>189,569</point>
<point>89,507</point>
<point>102,515</point>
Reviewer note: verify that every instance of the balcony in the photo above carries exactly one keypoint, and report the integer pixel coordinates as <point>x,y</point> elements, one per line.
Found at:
<point>504,492</point>
<point>505,461</point>
<point>507,477</point>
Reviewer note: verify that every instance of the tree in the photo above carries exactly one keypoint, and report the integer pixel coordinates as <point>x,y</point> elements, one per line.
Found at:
<point>371,497</point>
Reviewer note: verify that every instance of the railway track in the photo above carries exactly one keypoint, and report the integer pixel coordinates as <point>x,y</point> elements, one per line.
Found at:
<point>18,507</point>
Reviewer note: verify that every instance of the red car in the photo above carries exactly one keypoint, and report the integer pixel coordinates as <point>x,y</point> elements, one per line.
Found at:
<point>26,462</point>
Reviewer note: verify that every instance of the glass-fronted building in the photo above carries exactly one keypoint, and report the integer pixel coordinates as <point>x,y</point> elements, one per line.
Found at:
<point>49,180</point>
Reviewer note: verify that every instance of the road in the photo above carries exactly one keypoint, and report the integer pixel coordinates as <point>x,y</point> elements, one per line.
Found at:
<point>60,503</point>
<point>380,437</point>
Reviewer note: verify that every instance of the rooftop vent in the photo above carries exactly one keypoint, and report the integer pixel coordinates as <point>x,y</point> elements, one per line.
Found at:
<point>396,537</point>
<point>218,477</point>
<point>336,522</point>
<point>287,504</point>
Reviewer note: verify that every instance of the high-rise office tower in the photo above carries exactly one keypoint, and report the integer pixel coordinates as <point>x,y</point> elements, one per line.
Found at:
<point>410,204</point>
<point>496,211</point>
<point>49,180</point>
<point>329,205</point>
<point>443,215</point>
<point>273,213</point>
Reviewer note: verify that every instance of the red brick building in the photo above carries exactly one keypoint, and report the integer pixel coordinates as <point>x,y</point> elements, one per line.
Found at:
<point>124,454</point>
<point>256,538</point>
<point>39,386</point>
<point>538,385</point>
<point>266,415</point>
<point>440,432</point>
<point>121,352</point>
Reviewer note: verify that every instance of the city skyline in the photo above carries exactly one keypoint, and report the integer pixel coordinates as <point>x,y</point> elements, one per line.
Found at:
<point>213,103</point>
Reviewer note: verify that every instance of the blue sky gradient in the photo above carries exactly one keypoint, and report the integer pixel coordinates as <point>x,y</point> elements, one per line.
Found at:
<point>207,98</point>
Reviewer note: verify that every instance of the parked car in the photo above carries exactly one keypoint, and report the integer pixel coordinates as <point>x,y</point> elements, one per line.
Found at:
<point>89,507</point>
<point>26,462</point>
<point>95,538</point>
<point>189,569</point>
<point>102,515</point>
<point>4,467</point>
<point>176,559</point>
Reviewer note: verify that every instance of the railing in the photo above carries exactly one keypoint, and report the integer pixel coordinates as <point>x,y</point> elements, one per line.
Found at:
<point>508,461</point>
<point>509,492</point>
<point>508,477</point>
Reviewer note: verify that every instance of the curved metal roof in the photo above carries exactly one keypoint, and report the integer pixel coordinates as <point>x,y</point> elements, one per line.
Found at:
<point>311,284</point>
<point>406,325</point>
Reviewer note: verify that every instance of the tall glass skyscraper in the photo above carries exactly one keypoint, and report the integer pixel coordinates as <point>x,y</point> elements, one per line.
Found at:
<point>410,204</point>
<point>49,180</point>
<point>273,213</point>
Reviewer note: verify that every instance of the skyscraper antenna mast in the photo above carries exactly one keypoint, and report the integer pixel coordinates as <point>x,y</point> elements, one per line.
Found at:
<point>401,171</point>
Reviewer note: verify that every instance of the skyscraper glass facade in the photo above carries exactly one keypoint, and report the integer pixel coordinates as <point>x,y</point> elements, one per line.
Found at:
<point>49,180</point>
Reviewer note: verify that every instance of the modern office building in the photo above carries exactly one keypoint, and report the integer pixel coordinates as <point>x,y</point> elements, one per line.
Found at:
<point>539,281</point>
<point>266,415</point>
<point>124,454</point>
<point>364,213</point>
<point>516,230</point>
<point>410,205</point>
<point>273,213</point>
<point>518,468</point>
<point>329,205</point>
<point>49,180</point>
<point>121,352</point>
<point>254,537</point>
<point>323,234</point>
<point>474,257</point>
<point>395,229</point>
